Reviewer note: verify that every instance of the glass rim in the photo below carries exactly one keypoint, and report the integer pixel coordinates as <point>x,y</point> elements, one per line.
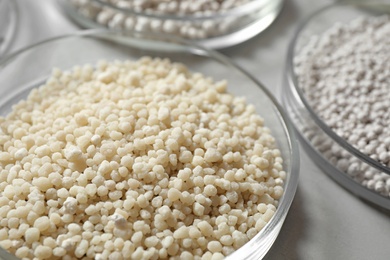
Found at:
<point>293,83</point>
<point>292,170</point>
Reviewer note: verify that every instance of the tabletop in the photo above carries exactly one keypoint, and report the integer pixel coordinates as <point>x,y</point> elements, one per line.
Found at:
<point>325,221</point>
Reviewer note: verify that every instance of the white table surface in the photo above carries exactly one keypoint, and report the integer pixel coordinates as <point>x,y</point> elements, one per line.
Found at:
<point>325,221</point>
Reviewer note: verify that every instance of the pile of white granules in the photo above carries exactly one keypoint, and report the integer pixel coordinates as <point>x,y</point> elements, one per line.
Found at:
<point>134,160</point>
<point>345,76</point>
<point>191,29</point>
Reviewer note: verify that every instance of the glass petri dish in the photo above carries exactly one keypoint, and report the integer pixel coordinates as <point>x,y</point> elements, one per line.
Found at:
<point>317,137</point>
<point>30,67</point>
<point>8,15</point>
<point>219,30</point>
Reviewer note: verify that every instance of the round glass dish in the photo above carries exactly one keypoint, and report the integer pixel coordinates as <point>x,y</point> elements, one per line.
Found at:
<point>7,24</point>
<point>318,138</point>
<point>30,67</point>
<point>213,30</point>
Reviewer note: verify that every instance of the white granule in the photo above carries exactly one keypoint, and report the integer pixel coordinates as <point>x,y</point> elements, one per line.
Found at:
<point>112,18</point>
<point>134,160</point>
<point>345,76</point>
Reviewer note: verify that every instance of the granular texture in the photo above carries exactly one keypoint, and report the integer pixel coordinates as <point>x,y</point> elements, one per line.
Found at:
<point>134,160</point>
<point>161,23</point>
<point>345,76</point>
<point>179,7</point>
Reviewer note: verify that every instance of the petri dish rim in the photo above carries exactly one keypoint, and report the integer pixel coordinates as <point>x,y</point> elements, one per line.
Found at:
<point>293,83</point>
<point>268,234</point>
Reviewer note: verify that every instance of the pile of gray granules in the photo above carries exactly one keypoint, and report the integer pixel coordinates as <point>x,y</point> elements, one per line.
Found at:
<point>345,76</point>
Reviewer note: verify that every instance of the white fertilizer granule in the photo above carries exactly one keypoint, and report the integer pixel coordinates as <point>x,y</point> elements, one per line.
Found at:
<point>134,160</point>
<point>158,12</point>
<point>345,76</point>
